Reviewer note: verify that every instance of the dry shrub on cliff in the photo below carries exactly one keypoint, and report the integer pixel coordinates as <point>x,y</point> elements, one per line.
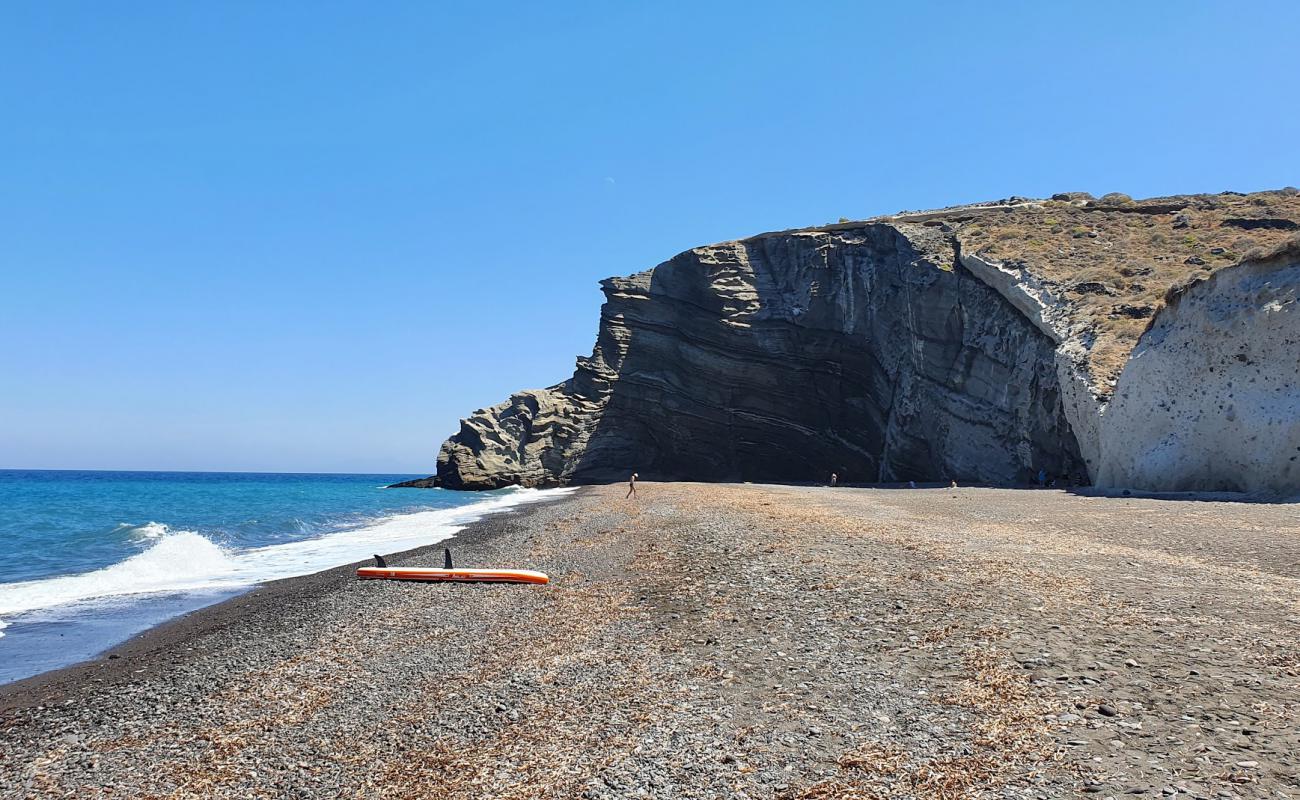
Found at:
<point>1114,257</point>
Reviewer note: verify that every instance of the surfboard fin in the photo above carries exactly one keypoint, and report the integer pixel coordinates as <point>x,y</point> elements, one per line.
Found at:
<point>446,558</point>
<point>379,561</point>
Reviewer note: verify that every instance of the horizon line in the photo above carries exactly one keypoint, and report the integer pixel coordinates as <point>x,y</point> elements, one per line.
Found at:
<point>204,471</point>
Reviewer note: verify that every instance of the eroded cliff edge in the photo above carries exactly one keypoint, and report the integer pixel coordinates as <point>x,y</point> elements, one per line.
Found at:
<point>1209,398</point>
<point>979,343</point>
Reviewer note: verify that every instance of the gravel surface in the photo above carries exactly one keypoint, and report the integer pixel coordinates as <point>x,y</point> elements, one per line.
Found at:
<point>725,641</point>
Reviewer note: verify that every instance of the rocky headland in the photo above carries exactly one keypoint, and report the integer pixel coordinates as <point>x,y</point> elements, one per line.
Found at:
<point>1143,344</point>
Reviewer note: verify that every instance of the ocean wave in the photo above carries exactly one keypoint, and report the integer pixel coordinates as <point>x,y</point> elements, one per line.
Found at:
<point>183,561</point>
<point>179,561</point>
<point>147,531</point>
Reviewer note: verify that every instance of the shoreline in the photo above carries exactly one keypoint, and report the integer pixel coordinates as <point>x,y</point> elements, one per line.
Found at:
<point>142,652</point>
<point>725,640</point>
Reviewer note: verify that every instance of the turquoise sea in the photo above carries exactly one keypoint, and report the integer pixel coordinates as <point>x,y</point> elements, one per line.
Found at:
<point>91,558</point>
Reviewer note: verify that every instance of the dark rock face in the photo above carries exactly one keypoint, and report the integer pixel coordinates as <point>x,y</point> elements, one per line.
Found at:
<point>1255,224</point>
<point>866,350</point>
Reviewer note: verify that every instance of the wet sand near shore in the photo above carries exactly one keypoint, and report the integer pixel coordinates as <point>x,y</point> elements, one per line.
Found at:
<point>725,641</point>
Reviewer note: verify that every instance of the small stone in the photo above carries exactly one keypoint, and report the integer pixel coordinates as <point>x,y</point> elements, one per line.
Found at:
<point>1248,764</point>
<point>1106,711</point>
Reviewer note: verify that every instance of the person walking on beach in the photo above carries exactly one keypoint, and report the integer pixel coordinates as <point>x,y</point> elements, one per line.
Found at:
<point>835,478</point>
<point>631,487</point>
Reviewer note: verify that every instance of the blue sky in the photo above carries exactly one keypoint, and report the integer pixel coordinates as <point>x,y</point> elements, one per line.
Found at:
<point>312,236</point>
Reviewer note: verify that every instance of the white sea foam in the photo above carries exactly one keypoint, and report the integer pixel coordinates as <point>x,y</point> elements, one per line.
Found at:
<point>185,561</point>
<point>149,530</point>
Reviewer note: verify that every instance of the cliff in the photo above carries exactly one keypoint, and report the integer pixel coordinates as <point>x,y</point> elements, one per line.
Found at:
<point>1209,399</point>
<point>980,343</point>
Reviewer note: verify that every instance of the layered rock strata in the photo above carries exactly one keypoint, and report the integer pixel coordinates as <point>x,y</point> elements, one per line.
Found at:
<point>865,351</point>
<point>980,343</point>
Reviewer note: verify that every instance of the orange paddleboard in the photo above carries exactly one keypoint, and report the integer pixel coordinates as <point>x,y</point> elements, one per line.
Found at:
<point>458,575</point>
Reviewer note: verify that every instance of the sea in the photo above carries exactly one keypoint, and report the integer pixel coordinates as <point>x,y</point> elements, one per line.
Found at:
<point>89,559</point>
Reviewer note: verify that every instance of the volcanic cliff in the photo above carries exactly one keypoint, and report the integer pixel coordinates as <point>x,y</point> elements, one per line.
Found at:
<point>981,343</point>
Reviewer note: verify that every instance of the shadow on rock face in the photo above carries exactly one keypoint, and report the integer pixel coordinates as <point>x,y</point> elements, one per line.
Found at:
<point>865,351</point>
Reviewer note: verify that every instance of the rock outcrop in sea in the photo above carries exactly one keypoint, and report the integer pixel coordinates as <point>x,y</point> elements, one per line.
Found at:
<point>1149,344</point>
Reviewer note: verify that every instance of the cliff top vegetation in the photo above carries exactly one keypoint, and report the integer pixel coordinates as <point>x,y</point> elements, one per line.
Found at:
<point>1113,259</point>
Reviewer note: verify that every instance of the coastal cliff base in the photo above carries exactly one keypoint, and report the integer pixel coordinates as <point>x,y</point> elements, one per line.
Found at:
<point>724,641</point>
<point>980,343</point>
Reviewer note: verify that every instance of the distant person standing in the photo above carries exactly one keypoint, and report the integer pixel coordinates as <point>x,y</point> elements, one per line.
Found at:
<point>1042,478</point>
<point>631,487</point>
<point>835,478</point>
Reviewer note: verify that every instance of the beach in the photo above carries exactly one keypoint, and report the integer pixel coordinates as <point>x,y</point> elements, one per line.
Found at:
<point>94,557</point>
<point>724,640</point>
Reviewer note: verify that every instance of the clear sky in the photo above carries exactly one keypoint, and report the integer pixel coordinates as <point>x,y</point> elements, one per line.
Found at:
<point>312,236</point>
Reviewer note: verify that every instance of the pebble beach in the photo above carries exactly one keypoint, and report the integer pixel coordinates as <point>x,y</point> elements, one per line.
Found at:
<point>724,641</point>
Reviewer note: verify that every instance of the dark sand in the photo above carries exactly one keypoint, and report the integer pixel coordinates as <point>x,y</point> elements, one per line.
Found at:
<point>152,652</point>
<point>725,641</point>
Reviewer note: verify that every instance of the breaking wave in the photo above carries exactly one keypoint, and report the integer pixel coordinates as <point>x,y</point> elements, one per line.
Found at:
<point>180,561</point>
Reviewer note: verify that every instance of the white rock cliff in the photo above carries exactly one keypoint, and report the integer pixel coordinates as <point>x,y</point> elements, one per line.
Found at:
<point>1210,398</point>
